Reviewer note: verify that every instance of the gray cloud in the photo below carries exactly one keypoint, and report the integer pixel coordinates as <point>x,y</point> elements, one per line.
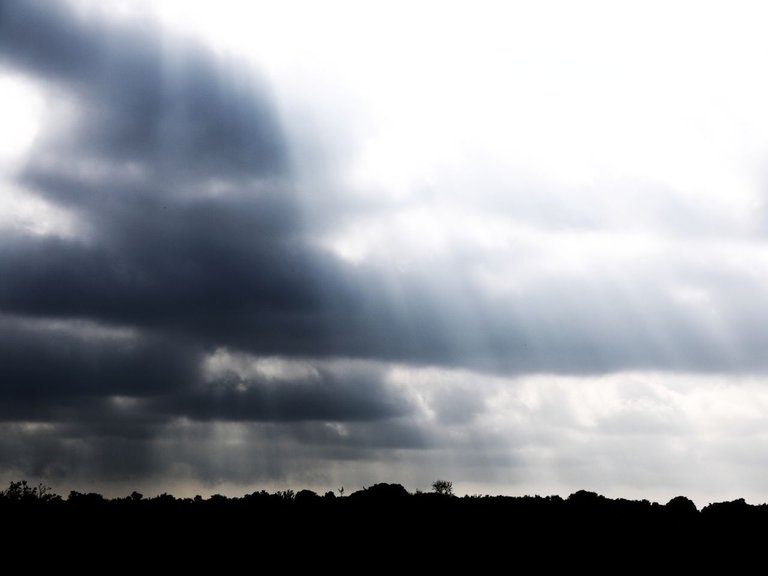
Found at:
<point>74,452</point>
<point>194,234</point>
<point>324,395</point>
<point>176,169</point>
<point>42,362</point>
<point>171,106</point>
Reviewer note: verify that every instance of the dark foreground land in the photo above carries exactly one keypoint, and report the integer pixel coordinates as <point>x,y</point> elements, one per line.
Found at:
<point>382,528</point>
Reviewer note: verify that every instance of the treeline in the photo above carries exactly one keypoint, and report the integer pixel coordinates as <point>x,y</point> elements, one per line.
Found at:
<point>386,522</point>
<point>584,505</point>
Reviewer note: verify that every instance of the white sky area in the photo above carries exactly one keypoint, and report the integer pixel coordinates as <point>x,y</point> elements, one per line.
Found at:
<point>549,139</point>
<point>505,125</point>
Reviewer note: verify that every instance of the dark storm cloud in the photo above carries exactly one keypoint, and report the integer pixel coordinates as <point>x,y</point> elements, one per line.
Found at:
<point>85,401</point>
<point>170,105</point>
<point>159,261</point>
<point>167,248</point>
<point>74,451</point>
<point>104,377</point>
<point>165,267</point>
<point>188,238</point>
<point>326,395</point>
<point>43,362</point>
<point>182,118</point>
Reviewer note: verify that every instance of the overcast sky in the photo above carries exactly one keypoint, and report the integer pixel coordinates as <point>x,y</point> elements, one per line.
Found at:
<point>522,246</point>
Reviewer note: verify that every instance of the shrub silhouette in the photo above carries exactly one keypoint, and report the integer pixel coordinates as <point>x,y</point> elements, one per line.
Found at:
<point>306,496</point>
<point>381,492</point>
<point>680,505</point>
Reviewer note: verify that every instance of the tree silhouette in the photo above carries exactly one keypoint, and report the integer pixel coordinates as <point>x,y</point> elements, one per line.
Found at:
<point>443,487</point>
<point>21,491</point>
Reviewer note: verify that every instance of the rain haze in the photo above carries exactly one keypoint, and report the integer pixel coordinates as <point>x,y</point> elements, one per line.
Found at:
<point>522,246</point>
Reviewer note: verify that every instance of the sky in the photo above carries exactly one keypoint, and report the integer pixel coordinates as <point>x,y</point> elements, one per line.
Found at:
<point>521,246</point>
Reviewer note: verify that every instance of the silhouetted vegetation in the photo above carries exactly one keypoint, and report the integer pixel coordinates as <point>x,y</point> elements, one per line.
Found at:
<point>21,491</point>
<point>443,487</point>
<point>386,518</point>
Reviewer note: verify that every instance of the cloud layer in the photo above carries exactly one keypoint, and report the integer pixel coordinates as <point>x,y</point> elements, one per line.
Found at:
<point>236,296</point>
